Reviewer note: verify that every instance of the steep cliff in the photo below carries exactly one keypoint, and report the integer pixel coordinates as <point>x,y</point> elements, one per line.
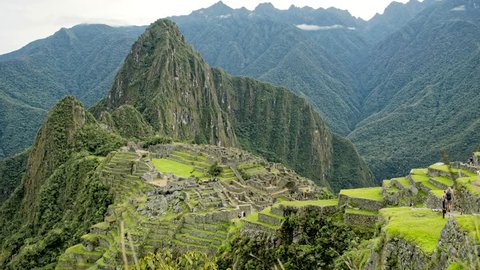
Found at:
<point>60,195</point>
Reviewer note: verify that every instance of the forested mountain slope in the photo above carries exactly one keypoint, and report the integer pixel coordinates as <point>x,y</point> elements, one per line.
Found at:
<point>80,61</point>
<point>273,45</point>
<point>422,90</point>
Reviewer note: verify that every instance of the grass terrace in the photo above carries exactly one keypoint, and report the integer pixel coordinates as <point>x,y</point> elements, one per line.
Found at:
<point>170,166</point>
<point>253,218</point>
<point>373,193</point>
<point>309,203</point>
<point>472,184</point>
<point>444,180</point>
<point>403,181</point>
<point>445,168</point>
<point>470,224</point>
<point>419,178</point>
<point>420,226</point>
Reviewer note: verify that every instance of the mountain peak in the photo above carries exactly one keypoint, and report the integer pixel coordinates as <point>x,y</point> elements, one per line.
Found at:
<point>265,7</point>
<point>54,143</point>
<point>218,8</point>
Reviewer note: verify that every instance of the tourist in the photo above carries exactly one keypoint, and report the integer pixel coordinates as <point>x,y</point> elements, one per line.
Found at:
<point>449,197</point>
<point>444,203</point>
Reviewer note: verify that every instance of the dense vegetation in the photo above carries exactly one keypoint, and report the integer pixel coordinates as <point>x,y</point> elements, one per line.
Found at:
<point>306,240</point>
<point>429,100</point>
<point>166,84</point>
<point>61,195</point>
<point>11,172</point>
<point>79,61</point>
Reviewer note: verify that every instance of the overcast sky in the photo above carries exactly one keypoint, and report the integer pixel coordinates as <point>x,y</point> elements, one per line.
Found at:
<point>22,21</point>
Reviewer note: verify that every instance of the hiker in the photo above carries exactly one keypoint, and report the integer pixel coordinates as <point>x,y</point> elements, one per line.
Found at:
<point>444,203</point>
<point>449,197</point>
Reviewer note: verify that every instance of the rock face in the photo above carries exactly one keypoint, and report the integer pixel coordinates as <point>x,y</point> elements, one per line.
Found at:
<point>180,96</point>
<point>456,245</point>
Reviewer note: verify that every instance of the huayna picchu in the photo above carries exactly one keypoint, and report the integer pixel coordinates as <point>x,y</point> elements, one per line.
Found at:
<point>180,167</point>
<point>166,85</point>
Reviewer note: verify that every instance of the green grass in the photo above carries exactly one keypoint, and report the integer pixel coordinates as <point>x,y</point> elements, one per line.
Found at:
<point>422,171</point>
<point>467,182</point>
<point>253,218</point>
<point>267,211</point>
<point>477,154</point>
<point>403,181</point>
<point>419,226</point>
<point>308,203</point>
<point>387,182</point>
<point>170,166</point>
<point>374,193</point>
<point>420,178</point>
<point>445,168</point>
<point>471,224</point>
<point>437,192</point>
<point>361,212</point>
<point>80,249</point>
<point>444,180</point>
<point>455,266</point>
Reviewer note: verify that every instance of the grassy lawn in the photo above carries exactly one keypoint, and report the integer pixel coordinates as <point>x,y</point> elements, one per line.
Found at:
<point>170,166</point>
<point>253,218</point>
<point>468,183</point>
<point>470,224</point>
<point>437,192</point>
<point>307,203</point>
<point>444,180</point>
<point>444,168</point>
<point>374,193</point>
<point>419,226</point>
<point>403,181</point>
<point>419,178</point>
<point>267,211</point>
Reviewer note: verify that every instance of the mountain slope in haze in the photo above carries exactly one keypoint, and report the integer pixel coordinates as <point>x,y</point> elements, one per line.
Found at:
<point>395,16</point>
<point>79,61</point>
<point>423,86</point>
<point>269,44</point>
<point>180,96</point>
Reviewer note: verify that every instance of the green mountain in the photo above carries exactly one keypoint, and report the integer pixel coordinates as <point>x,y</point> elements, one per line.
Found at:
<point>271,45</point>
<point>421,91</point>
<point>80,61</point>
<point>60,195</point>
<point>169,86</point>
<point>371,80</point>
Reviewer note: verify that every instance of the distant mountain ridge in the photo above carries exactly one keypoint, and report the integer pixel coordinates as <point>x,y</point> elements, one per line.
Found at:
<point>79,61</point>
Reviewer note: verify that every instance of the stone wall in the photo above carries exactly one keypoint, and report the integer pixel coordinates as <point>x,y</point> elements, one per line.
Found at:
<point>466,202</point>
<point>397,253</point>
<point>360,203</point>
<point>360,219</point>
<point>456,245</point>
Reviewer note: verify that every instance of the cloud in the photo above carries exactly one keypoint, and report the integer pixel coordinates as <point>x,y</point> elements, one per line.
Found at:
<point>459,8</point>
<point>312,27</point>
